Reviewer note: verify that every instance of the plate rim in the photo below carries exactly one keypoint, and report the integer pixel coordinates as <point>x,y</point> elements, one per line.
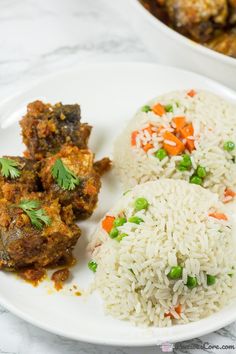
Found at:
<point>144,342</point>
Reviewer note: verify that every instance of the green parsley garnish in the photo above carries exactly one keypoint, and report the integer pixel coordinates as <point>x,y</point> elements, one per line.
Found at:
<point>37,216</point>
<point>92,265</point>
<point>9,168</point>
<point>64,177</point>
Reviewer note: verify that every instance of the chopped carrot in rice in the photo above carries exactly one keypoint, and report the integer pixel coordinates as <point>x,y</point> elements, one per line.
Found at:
<point>178,310</point>
<point>107,223</point>
<point>186,132</point>
<point>219,216</point>
<point>178,123</point>
<point>190,145</point>
<point>159,109</point>
<point>192,93</point>
<point>133,137</point>
<point>172,144</point>
<point>147,147</point>
<point>229,193</point>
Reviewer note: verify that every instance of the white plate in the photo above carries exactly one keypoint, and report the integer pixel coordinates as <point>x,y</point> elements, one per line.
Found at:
<point>109,95</point>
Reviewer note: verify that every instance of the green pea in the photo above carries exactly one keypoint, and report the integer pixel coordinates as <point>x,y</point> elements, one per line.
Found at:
<point>229,146</point>
<point>161,154</point>
<point>120,237</point>
<point>211,279</point>
<point>114,232</point>
<point>201,172</point>
<point>186,161</point>
<point>175,272</point>
<point>119,222</point>
<point>182,168</point>
<point>135,220</point>
<point>140,204</point>
<point>146,108</point>
<point>169,108</point>
<point>191,282</point>
<point>92,266</point>
<point>196,180</point>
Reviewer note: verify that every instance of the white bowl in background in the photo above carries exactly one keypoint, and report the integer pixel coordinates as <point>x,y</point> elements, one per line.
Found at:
<point>172,48</point>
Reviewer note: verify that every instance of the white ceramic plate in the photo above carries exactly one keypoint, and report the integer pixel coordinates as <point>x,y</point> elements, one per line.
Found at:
<point>109,95</point>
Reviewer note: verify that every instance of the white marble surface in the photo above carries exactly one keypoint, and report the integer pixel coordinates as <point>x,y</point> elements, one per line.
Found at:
<point>38,37</point>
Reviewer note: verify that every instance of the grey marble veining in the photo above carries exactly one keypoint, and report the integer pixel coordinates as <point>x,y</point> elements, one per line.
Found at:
<point>38,37</point>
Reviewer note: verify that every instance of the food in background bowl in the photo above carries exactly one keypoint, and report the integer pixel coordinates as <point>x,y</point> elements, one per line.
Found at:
<point>182,135</point>
<point>164,255</point>
<point>209,22</point>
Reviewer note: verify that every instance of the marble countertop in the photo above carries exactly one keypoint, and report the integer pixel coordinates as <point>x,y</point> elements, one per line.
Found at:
<point>41,37</point>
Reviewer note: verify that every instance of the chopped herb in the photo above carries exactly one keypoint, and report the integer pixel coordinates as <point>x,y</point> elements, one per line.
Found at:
<point>64,177</point>
<point>92,265</point>
<point>38,217</point>
<point>231,274</point>
<point>9,168</point>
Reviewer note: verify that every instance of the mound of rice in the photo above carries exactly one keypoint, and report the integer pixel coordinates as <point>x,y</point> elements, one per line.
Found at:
<point>182,225</point>
<point>210,122</point>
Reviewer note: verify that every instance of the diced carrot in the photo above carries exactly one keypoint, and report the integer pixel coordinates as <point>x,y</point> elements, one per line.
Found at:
<point>159,109</point>
<point>107,223</point>
<point>178,310</point>
<point>177,149</point>
<point>185,132</point>
<point>190,145</point>
<point>219,216</point>
<point>192,93</point>
<point>133,137</point>
<point>147,147</point>
<point>179,123</point>
<point>229,193</point>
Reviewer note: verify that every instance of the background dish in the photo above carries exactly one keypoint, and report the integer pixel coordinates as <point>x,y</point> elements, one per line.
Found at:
<point>172,48</point>
<point>100,89</point>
